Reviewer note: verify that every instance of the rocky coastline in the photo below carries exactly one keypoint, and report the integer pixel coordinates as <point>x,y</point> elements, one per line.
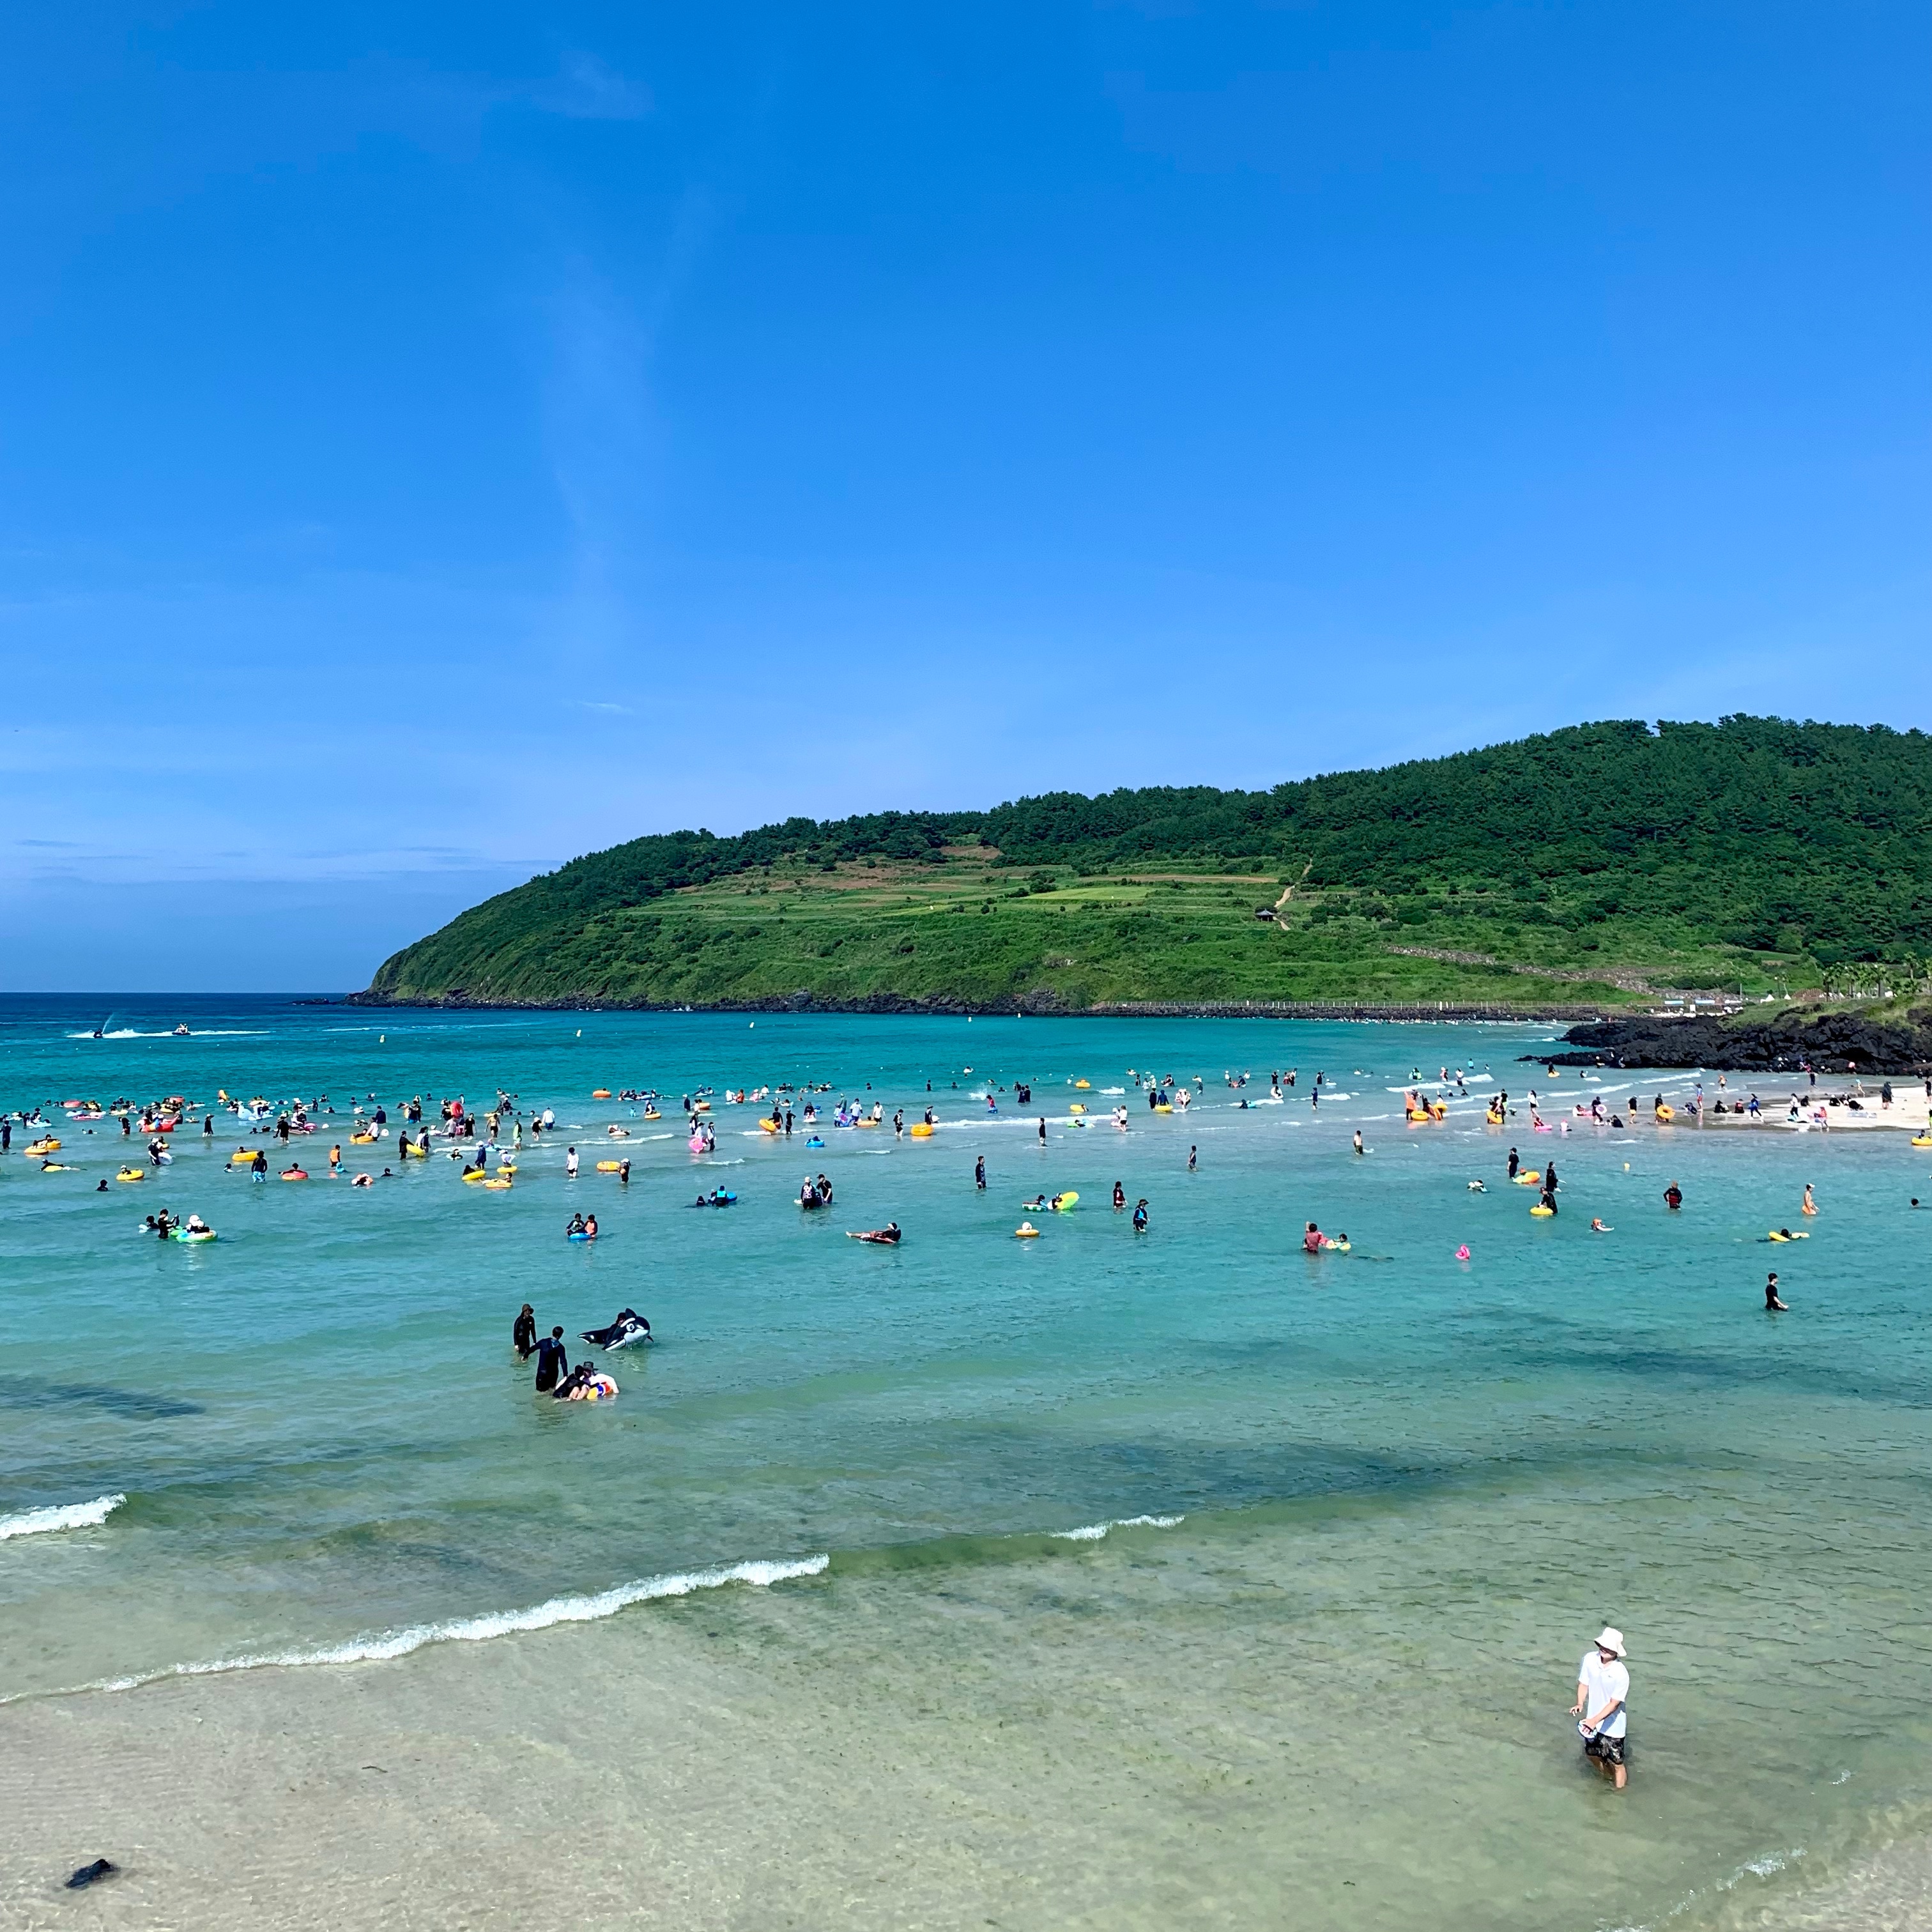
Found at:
<point>1832,1043</point>
<point>1042,1002</point>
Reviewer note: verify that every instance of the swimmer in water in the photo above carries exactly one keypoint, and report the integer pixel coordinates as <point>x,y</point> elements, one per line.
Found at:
<point>1807,1206</point>
<point>1359,1147</point>
<point>1597,1227</point>
<point>1477,1187</point>
<point>1772,1305</point>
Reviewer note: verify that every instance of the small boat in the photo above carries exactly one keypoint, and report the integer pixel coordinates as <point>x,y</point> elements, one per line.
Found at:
<point>47,1145</point>
<point>132,1174</point>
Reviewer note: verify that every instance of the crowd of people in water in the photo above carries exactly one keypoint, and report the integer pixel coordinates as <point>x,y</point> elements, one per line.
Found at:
<point>487,1143</point>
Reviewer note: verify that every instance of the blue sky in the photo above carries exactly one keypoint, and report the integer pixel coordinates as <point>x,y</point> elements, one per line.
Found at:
<point>435,442</point>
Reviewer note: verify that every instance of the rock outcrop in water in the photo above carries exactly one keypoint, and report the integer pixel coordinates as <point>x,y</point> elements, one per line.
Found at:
<point>1833,1042</point>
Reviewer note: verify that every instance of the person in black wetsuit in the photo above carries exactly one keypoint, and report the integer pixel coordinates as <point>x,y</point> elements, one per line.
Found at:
<point>524,1335</point>
<point>574,1381</point>
<point>1513,1164</point>
<point>1772,1305</point>
<point>552,1360</point>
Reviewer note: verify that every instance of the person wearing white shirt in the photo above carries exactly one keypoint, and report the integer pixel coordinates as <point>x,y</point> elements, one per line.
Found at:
<point>1603,1692</point>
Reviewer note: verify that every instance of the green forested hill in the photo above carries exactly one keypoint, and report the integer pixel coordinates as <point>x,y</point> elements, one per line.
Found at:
<point>1579,865</point>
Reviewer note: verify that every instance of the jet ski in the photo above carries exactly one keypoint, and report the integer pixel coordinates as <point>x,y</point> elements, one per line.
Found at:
<point>629,1327</point>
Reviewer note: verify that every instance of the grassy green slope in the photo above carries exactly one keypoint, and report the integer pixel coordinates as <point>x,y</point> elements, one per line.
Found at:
<point>1575,868</point>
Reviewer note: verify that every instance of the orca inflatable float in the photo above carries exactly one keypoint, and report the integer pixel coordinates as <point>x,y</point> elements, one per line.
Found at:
<point>629,1327</point>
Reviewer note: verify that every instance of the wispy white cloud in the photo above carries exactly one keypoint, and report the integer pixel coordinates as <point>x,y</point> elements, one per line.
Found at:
<point>586,89</point>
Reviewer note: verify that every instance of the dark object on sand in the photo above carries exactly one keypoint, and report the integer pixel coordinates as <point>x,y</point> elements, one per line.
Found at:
<point>87,1874</point>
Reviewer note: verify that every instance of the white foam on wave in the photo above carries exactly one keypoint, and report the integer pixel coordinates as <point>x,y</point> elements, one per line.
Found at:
<point>60,1516</point>
<point>168,1032</point>
<point>382,1645</point>
<point>1092,1532</point>
<point>1767,1866</point>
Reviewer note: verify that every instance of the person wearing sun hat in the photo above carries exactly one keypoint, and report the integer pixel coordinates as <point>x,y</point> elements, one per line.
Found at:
<point>1603,1689</point>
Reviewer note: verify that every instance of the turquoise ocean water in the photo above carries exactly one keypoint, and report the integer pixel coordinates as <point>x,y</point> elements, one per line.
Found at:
<point>1393,1493</point>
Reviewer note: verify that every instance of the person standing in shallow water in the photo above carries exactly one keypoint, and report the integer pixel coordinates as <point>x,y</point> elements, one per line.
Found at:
<point>524,1334</point>
<point>553,1360</point>
<point>1772,1305</point>
<point>1603,1692</point>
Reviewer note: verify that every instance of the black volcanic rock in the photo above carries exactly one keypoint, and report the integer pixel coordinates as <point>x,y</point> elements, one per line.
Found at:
<point>1834,1042</point>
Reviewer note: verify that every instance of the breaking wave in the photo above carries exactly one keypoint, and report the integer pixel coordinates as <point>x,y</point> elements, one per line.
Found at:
<point>60,1516</point>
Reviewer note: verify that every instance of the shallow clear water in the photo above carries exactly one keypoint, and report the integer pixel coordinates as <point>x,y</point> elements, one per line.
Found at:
<point>1410,1488</point>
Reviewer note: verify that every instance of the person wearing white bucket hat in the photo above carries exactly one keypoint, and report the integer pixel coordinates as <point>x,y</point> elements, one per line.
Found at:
<point>1603,1690</point>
